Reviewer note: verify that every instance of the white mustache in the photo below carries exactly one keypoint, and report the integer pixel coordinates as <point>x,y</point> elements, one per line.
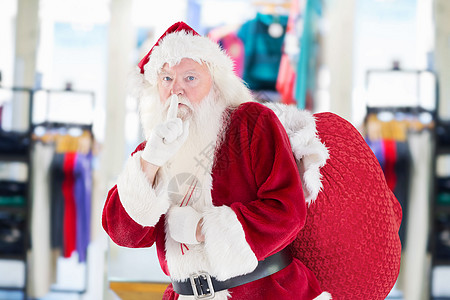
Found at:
<point>181,100</point>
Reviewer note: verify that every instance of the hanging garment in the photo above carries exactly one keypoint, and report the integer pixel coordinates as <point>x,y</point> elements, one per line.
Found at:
<point>227,38</point>
<point>390,159</point>
<point>262,51</point>
<point>82,190</point>
<point>57,201</point>
<point>71,194</point>
<point>41,270</point>
<point>415,258</point>
<point>70,213</point>
<point>305,68</point>
<point>286,80</point>
<point>377,148</point>
<point>402,169</point>
<point>234,47</point>
<point>388,142</point>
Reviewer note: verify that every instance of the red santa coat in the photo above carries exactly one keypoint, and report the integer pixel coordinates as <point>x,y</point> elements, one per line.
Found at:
<point>258,209</point>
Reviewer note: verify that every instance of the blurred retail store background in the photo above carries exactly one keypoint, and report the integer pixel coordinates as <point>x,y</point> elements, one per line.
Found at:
<point>384,65</point>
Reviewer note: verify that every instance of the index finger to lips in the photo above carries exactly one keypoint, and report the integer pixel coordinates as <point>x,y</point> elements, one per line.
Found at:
<point>173,108</point>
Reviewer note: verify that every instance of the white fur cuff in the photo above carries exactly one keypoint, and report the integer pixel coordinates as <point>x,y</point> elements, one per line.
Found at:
<point>138,198</point>
<point>324,296</point>
<point>225,245</point>
<point>183,223</point>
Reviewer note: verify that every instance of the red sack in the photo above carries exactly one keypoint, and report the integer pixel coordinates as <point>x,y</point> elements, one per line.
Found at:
<point>350,240</point>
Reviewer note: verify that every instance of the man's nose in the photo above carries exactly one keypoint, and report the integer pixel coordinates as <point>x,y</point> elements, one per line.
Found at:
<point>177,88</point>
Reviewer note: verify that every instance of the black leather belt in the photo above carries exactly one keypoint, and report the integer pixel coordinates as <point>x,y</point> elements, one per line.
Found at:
<point>203,286</point>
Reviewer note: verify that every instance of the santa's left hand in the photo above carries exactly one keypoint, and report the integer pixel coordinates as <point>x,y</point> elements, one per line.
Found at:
<point>183,222</point>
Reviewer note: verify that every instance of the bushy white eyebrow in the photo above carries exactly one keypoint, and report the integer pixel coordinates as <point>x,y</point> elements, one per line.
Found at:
<point>164,73</point>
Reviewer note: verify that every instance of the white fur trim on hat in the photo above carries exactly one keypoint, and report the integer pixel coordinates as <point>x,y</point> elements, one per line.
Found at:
<point>308,150</point>
<point>225,244</point>
<point>143,204</point>
<point>178,45</point>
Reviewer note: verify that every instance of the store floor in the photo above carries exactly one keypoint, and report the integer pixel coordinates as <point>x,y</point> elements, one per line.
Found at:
<point>73,278</point>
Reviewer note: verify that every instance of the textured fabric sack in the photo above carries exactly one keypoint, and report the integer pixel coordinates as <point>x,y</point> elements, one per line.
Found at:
<point>350,240</point>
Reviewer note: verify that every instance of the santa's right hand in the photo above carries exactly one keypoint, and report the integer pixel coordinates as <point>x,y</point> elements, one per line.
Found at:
<point>167,138</point>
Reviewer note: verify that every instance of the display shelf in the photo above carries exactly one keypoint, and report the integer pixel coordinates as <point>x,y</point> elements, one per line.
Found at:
<point>13,209</point>
<point>442,150</point>
<point>14,157</point>
<point>11,288</point>
<point>442,261</point>
<point>439,209</point>
<point>12,256</point>
<point>21,156</point>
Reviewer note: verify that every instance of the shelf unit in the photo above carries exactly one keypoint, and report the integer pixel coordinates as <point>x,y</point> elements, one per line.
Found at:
<point>438,210</point>
<point>438,149</point>
<point>25,157</point>
<point>24,209</point>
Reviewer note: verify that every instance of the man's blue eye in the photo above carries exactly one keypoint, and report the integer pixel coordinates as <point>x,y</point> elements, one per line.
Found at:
<point>190,78</point>
<point>166,78</point>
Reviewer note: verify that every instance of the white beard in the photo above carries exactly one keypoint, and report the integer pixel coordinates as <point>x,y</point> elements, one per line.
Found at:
<point>206,122</point>
<point>196,155</point>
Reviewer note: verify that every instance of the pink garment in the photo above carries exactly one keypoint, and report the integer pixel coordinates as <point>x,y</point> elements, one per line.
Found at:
<point>232,45</point>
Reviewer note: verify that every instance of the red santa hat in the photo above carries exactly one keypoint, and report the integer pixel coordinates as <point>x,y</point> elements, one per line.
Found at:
<point>177,27</point>
<point>178,42</point>
<point>181,41</point>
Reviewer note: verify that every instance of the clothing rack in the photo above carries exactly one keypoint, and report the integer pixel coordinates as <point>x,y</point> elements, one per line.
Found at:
<point>441,148</point>
<point>25,208</point>
<point>47,124</point>
<point>402,112</point>
<point>416,108</point>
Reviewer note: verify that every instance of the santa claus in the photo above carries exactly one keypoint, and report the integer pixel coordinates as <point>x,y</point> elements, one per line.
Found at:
<point>216,185</point>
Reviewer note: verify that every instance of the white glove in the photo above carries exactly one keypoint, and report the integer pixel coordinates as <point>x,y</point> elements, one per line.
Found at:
<point>166,138</point>
<point>183,223</point>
